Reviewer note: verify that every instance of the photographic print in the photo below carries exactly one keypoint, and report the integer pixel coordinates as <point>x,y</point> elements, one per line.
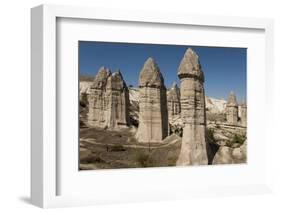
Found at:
<point>154,105</point>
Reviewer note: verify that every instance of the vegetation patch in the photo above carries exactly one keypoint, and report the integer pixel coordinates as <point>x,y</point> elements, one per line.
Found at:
<point>210,135</point>
<point>240,139</point>
<point>143,158</point>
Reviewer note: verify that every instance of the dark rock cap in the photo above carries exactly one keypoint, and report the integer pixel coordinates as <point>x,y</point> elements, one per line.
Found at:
<point>101,78</point>
<point>116,82</point>
<point>232,99</point>
<point>150,75</point>
<point>190,66</point>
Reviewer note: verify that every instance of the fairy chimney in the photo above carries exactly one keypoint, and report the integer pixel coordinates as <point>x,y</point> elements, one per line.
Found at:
<point>173,100</point>
<point>193,114</point>
<point>153,113</point>
<point>232,109</point>
<point>117,101</point>
<point>96,114</point>
<point>243,114</point>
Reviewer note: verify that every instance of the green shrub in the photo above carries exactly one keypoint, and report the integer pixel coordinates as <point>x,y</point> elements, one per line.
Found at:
<point>238,139</point>
<point>143,159</point>
<point>210,135</point>
<point>172,160</point>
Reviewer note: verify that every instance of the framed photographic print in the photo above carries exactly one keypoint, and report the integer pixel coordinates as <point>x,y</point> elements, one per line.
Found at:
<point>132,105</point>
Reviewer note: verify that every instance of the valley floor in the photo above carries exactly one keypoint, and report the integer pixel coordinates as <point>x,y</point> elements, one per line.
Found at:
<point>112,149</point>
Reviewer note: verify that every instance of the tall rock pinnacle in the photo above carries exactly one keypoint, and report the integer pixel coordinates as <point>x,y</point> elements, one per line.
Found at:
<point>108,100</point>
<point>232,109</point>
<point>117,99</point>
<point>243,117</point>
<point>173,100</point>
<point>150,75</point>
<point>190,66</point>
<point>193,150</point>
<point>96,115</point>
<point>101,78</point>
<point>153,114</point>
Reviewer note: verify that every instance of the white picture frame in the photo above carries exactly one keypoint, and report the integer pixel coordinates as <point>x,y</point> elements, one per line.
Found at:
<point>44,135</point>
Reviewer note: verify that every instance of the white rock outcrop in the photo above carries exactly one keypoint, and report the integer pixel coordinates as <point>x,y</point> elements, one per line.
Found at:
<point>214,105</point>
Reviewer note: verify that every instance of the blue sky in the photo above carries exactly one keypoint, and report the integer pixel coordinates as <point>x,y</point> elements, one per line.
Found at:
<point>224,68</point>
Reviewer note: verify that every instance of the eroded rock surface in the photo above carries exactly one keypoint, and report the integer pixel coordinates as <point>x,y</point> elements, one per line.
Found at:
<point>232,110</point>
<point>153,113</point>
<point>96,98</point>
<point>173,101</point>
<point>117,101</point>
<point>108,100</point>
<point>243,114</point>
<point>193,150</point>
<point>228,155</point>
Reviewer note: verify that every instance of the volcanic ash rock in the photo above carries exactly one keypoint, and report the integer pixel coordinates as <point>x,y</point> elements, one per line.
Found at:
<point>173,100</point>
<point>117,101</point>
<point>108,100</point>
<point>193,149</point>
<point>243,114</point>
<point>96,115</point>
<point>227,155</point>
<point>153,113</point>
<point>232,110</point>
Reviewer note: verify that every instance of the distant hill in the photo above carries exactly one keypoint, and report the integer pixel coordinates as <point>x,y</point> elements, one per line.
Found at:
<point>214,105</point>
